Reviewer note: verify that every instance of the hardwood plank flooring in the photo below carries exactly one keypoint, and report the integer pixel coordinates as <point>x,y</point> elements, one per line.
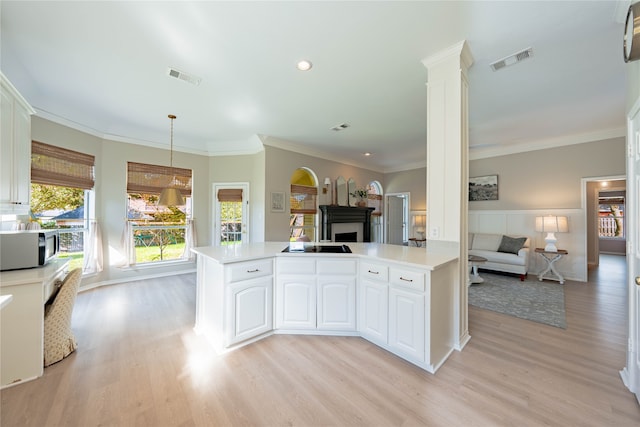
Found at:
<point>139,363</point>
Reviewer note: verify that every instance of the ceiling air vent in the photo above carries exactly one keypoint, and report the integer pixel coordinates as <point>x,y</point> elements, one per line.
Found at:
<point>512,59</point>
<point>184,76</point>
<point>340,127</point>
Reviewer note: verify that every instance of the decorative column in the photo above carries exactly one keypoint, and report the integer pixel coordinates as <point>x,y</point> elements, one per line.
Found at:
<point>448,166</point>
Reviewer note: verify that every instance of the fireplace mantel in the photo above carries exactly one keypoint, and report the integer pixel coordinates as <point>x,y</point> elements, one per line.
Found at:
<point>345,214</point>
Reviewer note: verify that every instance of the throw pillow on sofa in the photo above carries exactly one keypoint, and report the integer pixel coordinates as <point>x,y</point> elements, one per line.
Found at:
<point>511,245</point>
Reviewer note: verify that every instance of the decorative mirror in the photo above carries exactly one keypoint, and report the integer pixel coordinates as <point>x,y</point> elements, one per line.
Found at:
<point>342,198</point>
<point>351,184</point>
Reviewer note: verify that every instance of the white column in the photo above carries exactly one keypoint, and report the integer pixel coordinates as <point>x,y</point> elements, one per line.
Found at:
<point>447,165</point>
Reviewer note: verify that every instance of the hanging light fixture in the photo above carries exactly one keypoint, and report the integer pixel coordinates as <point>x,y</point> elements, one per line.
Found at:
<point>171,196</point>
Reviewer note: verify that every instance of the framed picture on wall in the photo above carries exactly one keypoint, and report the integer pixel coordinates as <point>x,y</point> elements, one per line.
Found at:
<point>483,188</point>
<point>277,201</point>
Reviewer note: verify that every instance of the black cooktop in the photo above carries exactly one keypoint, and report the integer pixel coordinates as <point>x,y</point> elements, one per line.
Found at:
<point>334,249</point>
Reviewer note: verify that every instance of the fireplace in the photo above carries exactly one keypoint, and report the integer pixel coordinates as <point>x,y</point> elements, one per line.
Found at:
<point>345,220</point>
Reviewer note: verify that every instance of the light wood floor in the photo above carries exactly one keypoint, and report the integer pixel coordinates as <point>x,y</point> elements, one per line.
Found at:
<point>139,363</point>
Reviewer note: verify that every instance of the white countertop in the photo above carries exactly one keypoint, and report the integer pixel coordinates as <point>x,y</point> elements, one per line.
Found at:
<point>32,275</point>
<point>411,256</point>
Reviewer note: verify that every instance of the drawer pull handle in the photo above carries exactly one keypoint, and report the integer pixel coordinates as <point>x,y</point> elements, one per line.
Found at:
<point>374,272</point>
<point>253,271</point>
<point>406,280</point>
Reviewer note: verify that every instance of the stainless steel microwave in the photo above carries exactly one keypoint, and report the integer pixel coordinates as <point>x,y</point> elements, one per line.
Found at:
<point>28,248</point>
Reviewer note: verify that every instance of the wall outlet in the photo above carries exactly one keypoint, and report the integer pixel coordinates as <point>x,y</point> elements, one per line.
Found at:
<point>434,232</point>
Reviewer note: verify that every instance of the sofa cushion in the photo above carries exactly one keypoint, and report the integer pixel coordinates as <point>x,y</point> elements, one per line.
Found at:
<point>511,245</point>
<point>500,257</point>
<point>486,242</point>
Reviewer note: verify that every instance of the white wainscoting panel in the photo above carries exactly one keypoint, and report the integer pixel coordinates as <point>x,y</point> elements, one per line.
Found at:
<point>522,222</point>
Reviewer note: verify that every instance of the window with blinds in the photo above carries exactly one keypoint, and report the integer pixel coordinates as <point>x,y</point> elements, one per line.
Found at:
<point>303,199</point>
<point>51,165</point>
<point>152,179</point>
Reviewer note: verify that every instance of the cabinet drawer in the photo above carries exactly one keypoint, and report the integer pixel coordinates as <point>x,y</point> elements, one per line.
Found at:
<point>373,271</point>
<point>337,266</point>
<point>296,265</point>
<point>248,270</point>
<point>412,279</point>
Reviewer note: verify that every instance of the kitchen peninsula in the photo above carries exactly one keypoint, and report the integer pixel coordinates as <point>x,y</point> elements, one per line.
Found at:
<point>403,299</point>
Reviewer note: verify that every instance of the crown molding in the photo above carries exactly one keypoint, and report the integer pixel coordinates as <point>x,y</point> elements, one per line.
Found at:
<point>543,144</point>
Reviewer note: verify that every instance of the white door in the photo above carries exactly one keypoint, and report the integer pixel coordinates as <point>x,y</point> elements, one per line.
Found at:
<point>631,374</point>
<point>396,224</point>
<point>230,213</point>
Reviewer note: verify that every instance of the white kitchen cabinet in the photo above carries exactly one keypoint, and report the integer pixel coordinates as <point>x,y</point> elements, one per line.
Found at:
<point>336,294</point>
<point>373,306</point>
<point>401,299</point>
<point>316,293</point>
<point>337,303</point>
<point>15,150</point>
<point>22,321</point>
<point>296,303</point>
<point>407,312</point>
<point>234,301</point>
<point>249,309</point>
<point>406,323</point>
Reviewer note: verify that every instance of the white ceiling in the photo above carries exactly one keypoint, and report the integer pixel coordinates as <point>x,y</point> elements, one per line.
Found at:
<point>102,67</point>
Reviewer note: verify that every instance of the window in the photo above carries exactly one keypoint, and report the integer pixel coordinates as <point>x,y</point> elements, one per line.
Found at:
<point>62,198</point>
<point>157,233</point>
<point>611,215</point>
<point>231,215</point>
<point>303,213</point>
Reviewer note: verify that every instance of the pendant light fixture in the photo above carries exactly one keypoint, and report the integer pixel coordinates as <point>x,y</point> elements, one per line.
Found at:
<point>171,196</point>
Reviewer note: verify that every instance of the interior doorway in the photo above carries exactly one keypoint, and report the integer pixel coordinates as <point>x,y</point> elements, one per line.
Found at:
<point>397,218</point>
<point>604,202</point>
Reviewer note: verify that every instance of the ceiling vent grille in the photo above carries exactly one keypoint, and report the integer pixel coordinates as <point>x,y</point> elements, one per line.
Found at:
<point>512,59</point>
<point>181,75</point>
<point>341,126</point>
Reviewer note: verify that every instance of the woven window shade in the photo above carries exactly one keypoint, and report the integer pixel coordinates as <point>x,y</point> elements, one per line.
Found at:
<point>51,165</point>
<point>303,199</point>
<point>152,179</point>
<point>375,201</point>
<point>230,195</point>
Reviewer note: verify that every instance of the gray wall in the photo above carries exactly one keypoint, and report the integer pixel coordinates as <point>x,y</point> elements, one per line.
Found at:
<point>548,178</point>
<point>413,181</point>
<point>280,165</point>
<point>111,195</point>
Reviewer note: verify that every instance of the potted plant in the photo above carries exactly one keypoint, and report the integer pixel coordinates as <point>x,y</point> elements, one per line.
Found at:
<point>361,195</point>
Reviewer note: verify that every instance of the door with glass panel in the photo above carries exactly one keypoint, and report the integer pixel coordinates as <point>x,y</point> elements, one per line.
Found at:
<point>231,213</point>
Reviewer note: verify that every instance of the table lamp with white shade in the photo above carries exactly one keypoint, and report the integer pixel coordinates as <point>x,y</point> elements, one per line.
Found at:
<point>551,224</point>
<point>419,222</point>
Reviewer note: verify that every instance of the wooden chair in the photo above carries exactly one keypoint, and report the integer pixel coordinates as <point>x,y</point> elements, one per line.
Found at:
<point>59,341</point>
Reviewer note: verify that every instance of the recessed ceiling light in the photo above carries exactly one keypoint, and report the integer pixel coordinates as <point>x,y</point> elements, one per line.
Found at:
<point>304,65</point>
<point>367,154</point>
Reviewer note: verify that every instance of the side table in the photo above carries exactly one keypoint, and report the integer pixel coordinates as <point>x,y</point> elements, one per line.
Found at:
<point>417,241</point>
<point>474,261</point>
<point>551,258</point>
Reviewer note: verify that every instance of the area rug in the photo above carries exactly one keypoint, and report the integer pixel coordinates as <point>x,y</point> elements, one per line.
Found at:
<point>541,302</point>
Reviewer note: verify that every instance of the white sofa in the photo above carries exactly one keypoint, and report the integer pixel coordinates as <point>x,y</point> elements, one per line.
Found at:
<point>511,258</point>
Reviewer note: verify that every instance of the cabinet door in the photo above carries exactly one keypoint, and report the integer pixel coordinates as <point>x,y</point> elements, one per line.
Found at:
<point>249,309</point>
<point>374,311</point>
<point>407,323</point>
<point>296,302</point>
<point>15,155</point>
<point>337,303</point>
